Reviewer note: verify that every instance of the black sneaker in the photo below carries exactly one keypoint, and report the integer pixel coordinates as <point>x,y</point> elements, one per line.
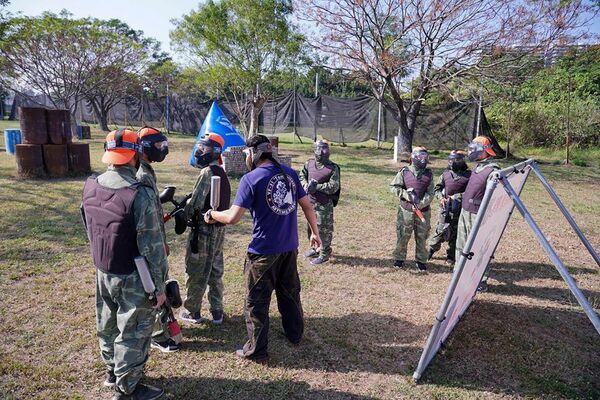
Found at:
<point>398,263</point>
<point>311,253</point>
<point>141,392</point>
<point>111,379</point>
<point>194,317</point>
<point>240,355</point>
<point>168,346</point>
<point>217,317</point>
<point>449,262</point>
<point>483,287</point>
<point>421,267</point>
<point>319,260</point>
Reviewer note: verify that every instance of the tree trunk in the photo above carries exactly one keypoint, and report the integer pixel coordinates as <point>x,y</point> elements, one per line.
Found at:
<point>405,134</point>
<point>101,114</point>
<point>255,110</point>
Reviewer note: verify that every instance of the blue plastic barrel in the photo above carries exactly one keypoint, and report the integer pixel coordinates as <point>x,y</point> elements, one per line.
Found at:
<point>12,137</point>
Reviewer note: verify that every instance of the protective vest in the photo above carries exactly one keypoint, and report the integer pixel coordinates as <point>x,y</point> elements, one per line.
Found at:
<point>321,175</point>
<point>455,184</point>
<point>111,227</point>
<point>475,190</point>
<point>225,195</point>
<point>420,185</point>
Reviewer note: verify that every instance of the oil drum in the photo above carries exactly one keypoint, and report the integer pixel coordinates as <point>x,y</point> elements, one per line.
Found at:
<point>30,162</point>
<point>79,158</point>
<point>56,160</point>
<point>33,125</point>
<point>58,123</point>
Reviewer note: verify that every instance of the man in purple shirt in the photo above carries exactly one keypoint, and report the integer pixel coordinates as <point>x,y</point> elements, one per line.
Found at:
<point>271,192</point>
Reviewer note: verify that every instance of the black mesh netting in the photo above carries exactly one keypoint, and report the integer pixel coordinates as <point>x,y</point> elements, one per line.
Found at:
<point>342,120</point>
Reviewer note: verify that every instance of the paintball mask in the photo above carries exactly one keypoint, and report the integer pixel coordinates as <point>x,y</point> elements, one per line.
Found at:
<point>322,151</point>
<point>256,149</point>
<point>419,157</point>
<point>456,161</point>
<point>480,148</point>
<point>154,144</point>
<point>209,149</point>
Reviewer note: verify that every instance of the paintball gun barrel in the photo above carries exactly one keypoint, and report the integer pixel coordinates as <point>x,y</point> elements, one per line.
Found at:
<point>215,192</point>
<point>147,282</point>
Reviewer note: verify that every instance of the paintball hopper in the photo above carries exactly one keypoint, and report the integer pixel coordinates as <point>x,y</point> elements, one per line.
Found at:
<point>180,223</point>
<point>167,194</point>
<point>173,294</point>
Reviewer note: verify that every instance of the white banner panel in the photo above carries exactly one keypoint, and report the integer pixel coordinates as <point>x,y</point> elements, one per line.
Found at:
<point>463,288</point>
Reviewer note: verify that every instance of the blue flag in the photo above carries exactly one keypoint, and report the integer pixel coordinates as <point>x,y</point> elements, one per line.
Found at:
<point>217,122</point>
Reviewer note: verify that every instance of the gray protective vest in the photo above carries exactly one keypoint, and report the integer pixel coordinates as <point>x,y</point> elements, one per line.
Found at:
<point>455,184</point>
<point>111,227</point>
<point>475,190</point>
<point>419,184</point>
<point>321,175</point>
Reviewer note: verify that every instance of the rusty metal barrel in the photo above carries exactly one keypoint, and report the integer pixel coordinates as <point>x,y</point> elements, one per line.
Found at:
<point>58,123</point>
<point>56,160</point>
<point>30,162</point>
<point>79,158</point>
<point>33,125</point>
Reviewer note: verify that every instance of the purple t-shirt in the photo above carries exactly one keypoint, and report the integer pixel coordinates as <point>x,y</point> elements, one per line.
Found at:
<point>273,208</point>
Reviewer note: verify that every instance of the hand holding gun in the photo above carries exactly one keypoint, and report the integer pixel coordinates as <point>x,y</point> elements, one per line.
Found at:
<point>413,200</point>
<point>312,186</point>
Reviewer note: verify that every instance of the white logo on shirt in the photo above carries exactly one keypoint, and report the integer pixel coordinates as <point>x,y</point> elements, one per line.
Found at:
<point>281,200</point>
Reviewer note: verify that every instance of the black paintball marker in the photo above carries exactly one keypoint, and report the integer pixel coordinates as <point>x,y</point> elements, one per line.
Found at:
<point>168,196</point>
<point>413,200</point>
<point>172,292</point>
<point>446,214</point>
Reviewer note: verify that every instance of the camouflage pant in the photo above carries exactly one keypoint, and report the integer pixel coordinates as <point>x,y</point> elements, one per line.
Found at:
<point>263,274</point>
<point>205,269</point>
<point>439,237</point>
<point>465,223</point>
<point>161,325</point>
<point>124,319</point>
<point>324,214</point>
<point>406,222</point>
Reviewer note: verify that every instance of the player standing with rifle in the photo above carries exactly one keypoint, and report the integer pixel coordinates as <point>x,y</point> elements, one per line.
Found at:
<point>204,252</point>
<point>122,223</point>
<point>449,189</point>
<point>155,147</point>
<point>414,186</point>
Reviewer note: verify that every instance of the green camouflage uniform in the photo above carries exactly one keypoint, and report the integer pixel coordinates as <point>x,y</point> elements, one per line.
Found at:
<point>146,176</point>
<point>407,221</point>
<point>439,237</point>
<point>205,267</point>
<point>324,212</point>
<point>466,220</point>
<point>124,315</point>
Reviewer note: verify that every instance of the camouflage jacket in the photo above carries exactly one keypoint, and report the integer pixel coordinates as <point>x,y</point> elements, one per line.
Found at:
<point>398,188</point>
<point>147,177</point>
<point>149,236</point>
<point>329,187</point>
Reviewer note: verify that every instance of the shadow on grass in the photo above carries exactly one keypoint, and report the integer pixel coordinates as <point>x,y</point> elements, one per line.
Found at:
<point>521,350</point>
<point>219,388</point>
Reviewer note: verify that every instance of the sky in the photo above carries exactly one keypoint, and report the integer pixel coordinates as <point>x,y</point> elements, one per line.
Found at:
<point>151,16</point>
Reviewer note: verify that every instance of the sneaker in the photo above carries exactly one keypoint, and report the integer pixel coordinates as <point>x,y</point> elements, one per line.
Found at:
<point>421,267</point>
<point>319,260</point>
<point>168,346</point>
<point>398,263</point>
<point>141,392</point>
<point>217,317</point>
<point>483,287</point>
<point>111,379</point>
<point>449,262</point>
<point>311,253</point>
<point>194,318</point>
<point>240,355</point>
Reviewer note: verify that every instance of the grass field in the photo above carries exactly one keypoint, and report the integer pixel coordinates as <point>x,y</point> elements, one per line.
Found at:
<point>366,323</point>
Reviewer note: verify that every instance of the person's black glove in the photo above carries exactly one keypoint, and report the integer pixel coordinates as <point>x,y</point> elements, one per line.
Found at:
<point>312,186</point>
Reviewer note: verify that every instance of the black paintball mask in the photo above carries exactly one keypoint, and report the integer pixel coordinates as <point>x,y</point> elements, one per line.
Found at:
<point>456,161</point>
<point>258,147</point>
<point>419,158</point>
<point>207,151</point>
<point>322,152</point>
<point>154,144</point>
